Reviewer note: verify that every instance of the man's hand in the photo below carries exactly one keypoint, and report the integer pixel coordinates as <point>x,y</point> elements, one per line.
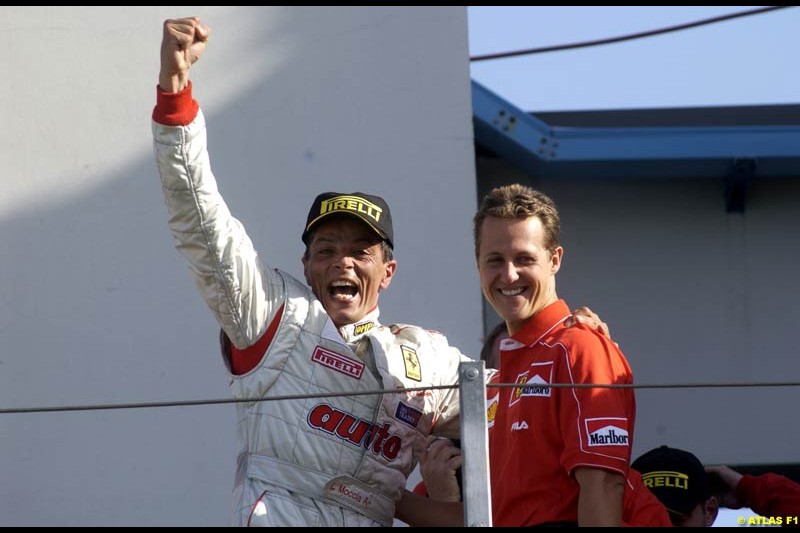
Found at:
<point>438,465</point>
<point>183,42</point>
<point>724,480</point>
<point>589,318</point>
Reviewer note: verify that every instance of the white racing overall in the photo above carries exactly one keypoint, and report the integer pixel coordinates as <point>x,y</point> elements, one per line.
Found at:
<point>319,460</point>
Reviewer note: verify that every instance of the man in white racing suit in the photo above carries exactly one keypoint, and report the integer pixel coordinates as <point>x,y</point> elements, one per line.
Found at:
<point>329,456</point>
<point>332,458</point>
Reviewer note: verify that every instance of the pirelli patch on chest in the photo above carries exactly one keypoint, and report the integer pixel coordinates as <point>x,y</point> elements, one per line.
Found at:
<point>338,362</point>
<point>411,362</point>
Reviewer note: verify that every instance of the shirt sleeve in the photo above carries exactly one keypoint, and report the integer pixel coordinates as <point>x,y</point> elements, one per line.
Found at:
<point>242,292</point>
<point>770,495</point>
<point>596,422</point>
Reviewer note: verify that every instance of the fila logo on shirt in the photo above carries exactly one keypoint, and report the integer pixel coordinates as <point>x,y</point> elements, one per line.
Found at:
<point>607,431</point>
<point>519,425</point>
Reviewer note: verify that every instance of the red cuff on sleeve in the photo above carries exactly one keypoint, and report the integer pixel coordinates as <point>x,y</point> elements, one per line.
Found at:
<point>175,109</point>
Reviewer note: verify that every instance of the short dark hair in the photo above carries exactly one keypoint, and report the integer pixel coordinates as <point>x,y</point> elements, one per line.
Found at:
<point>491,337</point>
<point>520,202</point>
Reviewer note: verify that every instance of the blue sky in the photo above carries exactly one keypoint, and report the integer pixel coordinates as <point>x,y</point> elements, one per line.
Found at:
<point>744,61</point>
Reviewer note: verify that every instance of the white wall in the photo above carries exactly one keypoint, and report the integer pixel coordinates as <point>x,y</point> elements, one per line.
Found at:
<point>693,295</point>
<point>96,307</point>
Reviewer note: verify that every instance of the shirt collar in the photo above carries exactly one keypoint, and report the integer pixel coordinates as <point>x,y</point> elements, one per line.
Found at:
<point>353,332</point>
<point>542,323</point>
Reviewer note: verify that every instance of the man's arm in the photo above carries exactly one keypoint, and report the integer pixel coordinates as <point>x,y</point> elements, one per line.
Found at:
<point>768,494</point>
<point>416,510</point>
<point>600,497</point>
<point>724,481</point>
<point>599,466</point>
<point>242,294</point>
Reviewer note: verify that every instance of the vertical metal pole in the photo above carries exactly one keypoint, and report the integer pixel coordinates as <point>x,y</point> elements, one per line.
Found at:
<point>474,445</point>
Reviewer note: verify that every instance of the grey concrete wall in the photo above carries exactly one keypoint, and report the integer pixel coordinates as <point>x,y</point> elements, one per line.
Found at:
<point>96,307</point>
<point>693,295</point>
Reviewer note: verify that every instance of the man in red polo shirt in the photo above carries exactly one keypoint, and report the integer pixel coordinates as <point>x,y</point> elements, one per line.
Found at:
<point>557,455</point>
<point>559,446</point>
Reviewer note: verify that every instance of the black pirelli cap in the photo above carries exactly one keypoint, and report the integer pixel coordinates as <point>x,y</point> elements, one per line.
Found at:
<point>370,209</point>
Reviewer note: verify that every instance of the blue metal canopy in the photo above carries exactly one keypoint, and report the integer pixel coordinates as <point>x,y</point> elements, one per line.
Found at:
<point>768,145</point>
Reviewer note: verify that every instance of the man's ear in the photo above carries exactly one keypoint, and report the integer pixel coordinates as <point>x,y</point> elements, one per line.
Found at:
<point>710,510</point>
<point>390,269</point>
<point>555,260</point>
<point>304,260</point>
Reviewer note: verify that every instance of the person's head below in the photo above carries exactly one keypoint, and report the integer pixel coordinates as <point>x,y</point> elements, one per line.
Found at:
<point>517,248</point>
<point>490,350</point>
<point>348,258</point>
<point>679,481</point>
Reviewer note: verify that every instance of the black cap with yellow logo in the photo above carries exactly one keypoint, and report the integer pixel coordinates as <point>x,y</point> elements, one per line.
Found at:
<point>676,477</point>
<point>372,210</point>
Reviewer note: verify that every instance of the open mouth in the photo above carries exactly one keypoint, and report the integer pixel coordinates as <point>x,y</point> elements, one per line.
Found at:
<point>343,291</point>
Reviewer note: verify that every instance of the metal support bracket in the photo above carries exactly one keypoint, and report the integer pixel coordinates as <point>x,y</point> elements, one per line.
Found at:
<point>737,183</point>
